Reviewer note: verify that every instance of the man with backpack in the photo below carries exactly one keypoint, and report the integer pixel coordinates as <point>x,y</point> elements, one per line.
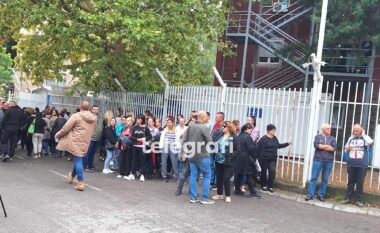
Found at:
<point>357,157</point>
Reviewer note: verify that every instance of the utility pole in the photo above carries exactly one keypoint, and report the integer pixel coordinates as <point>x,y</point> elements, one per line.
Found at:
<point>242,79</point>
<point>316,95</point>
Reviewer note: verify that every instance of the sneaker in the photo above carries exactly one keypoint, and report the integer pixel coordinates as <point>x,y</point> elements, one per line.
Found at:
<point>165,180</point>
<point>6,158</point>
<point>131,177</point>
<point>119,176</point>
<point>105,171</point>
<point>178,192</point>
<point>217,197</point>
<point>86,170</point>
<point>265,189</point>
<point>126,177</point>
<point>239,192</point>
<point>271,190</point>
<point>207,202</point>
<point>39,155</point>
<point>242,188</point>
<point>254,195</point>
<point>142,178</point>
<point>110,171</point>
<point>228,199</point>
<point>322,199</point>
<point>360,204</point>
<point>308,198</point>
<point>194,200</point>
<point>345,201</point>
<point>35,156</point>
<point>213,187</point>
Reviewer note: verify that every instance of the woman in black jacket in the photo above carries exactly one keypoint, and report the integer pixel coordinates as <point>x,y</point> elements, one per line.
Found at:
<point>141,135</point>
<point>246,155</point>
<point>38,135</point>
<point>57,126</point>
<point>267,148</point>
<point>224,157</point>
<point>110,144</point>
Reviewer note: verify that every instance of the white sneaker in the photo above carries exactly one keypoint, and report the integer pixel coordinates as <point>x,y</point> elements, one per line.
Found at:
<point>105,171</point>
<point>126,177</point>
<point>119,176</point>
<point>142,178</point>
<point>110,171</point>
<point>228,199</point>
<point>131,177</point>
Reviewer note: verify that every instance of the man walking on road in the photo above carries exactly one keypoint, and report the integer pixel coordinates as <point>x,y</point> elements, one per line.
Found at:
<point>74,137</point>
<point>96,136</point>
<point>10,126</point>
<point>325,145</point>
<point>196,137</point>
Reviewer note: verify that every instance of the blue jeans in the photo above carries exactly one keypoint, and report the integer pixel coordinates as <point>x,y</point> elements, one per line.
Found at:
<point>88,160</point>
<point>45,146</point>
<point>78,168</point>
<point>326,168</point>
<point>108,159</point>
<point>212,166</point>
<point>164,162</point>
<point>196,166</point>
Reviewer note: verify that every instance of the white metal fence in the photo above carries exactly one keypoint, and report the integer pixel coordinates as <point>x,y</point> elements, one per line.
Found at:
<point>342,105</point>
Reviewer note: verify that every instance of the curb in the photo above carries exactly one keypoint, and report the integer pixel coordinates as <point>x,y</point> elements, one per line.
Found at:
<point>369,211</point>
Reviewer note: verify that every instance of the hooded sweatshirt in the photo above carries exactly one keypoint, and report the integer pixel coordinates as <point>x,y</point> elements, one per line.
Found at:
<point>75,136</point>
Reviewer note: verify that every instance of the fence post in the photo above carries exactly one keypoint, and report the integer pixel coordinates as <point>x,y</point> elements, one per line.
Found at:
<point>224,87</point>
<point>166,95</point>
<point>316,95</point>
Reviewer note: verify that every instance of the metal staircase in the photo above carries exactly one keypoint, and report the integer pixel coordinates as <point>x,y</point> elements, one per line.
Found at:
<point>283,77</point>
<point>265,31</point>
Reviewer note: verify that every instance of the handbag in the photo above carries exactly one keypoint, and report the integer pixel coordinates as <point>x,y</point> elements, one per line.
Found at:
<point>115,161</point>
<point>110,146</point>
<point>32,127</point>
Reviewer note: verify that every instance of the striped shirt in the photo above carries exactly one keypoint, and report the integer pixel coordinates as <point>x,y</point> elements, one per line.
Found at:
<point>169,137</point>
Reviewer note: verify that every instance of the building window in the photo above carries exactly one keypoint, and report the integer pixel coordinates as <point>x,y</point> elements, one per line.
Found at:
<point>267,3</point>
<point>266,57</point>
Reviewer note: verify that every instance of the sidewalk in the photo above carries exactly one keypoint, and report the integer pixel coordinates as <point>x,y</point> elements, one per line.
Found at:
<point>329,204</point>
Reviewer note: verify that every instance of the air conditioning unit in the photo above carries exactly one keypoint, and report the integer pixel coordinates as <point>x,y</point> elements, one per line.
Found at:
<point>281,6</point>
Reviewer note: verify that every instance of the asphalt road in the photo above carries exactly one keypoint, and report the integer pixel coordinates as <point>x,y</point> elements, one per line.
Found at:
<point>39,199</point>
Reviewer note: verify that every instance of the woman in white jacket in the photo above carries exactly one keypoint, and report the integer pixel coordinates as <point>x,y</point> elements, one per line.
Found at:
<point>169,145</point>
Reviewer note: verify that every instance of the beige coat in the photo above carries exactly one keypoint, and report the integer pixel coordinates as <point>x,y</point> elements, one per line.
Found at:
<point>75,136</point>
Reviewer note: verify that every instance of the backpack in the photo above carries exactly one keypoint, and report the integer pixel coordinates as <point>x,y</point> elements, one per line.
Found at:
<point>32,127</point>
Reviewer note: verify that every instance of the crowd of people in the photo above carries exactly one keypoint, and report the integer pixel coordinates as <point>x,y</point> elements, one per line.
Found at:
<point>218,153</point>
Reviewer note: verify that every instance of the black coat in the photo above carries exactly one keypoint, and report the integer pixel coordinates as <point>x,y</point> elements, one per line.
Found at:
<point>57,126</point>
<point>245,155</point>
<point>13,119</point>
<point>230,157</point>
<point>110,135</point>
<point>267,147</point>
<point>39,125</point>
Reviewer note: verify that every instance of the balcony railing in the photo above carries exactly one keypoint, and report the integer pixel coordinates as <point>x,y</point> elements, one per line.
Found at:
<point>347,61</point>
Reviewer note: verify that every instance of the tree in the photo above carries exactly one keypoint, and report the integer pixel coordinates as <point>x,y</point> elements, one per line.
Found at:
<point>6,73</point>
<point>99,41</point>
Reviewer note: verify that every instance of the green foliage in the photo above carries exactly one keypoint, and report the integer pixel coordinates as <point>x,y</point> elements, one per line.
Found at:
<point>6,73</point>
<point>350,21</point>
<point>99,41</point>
